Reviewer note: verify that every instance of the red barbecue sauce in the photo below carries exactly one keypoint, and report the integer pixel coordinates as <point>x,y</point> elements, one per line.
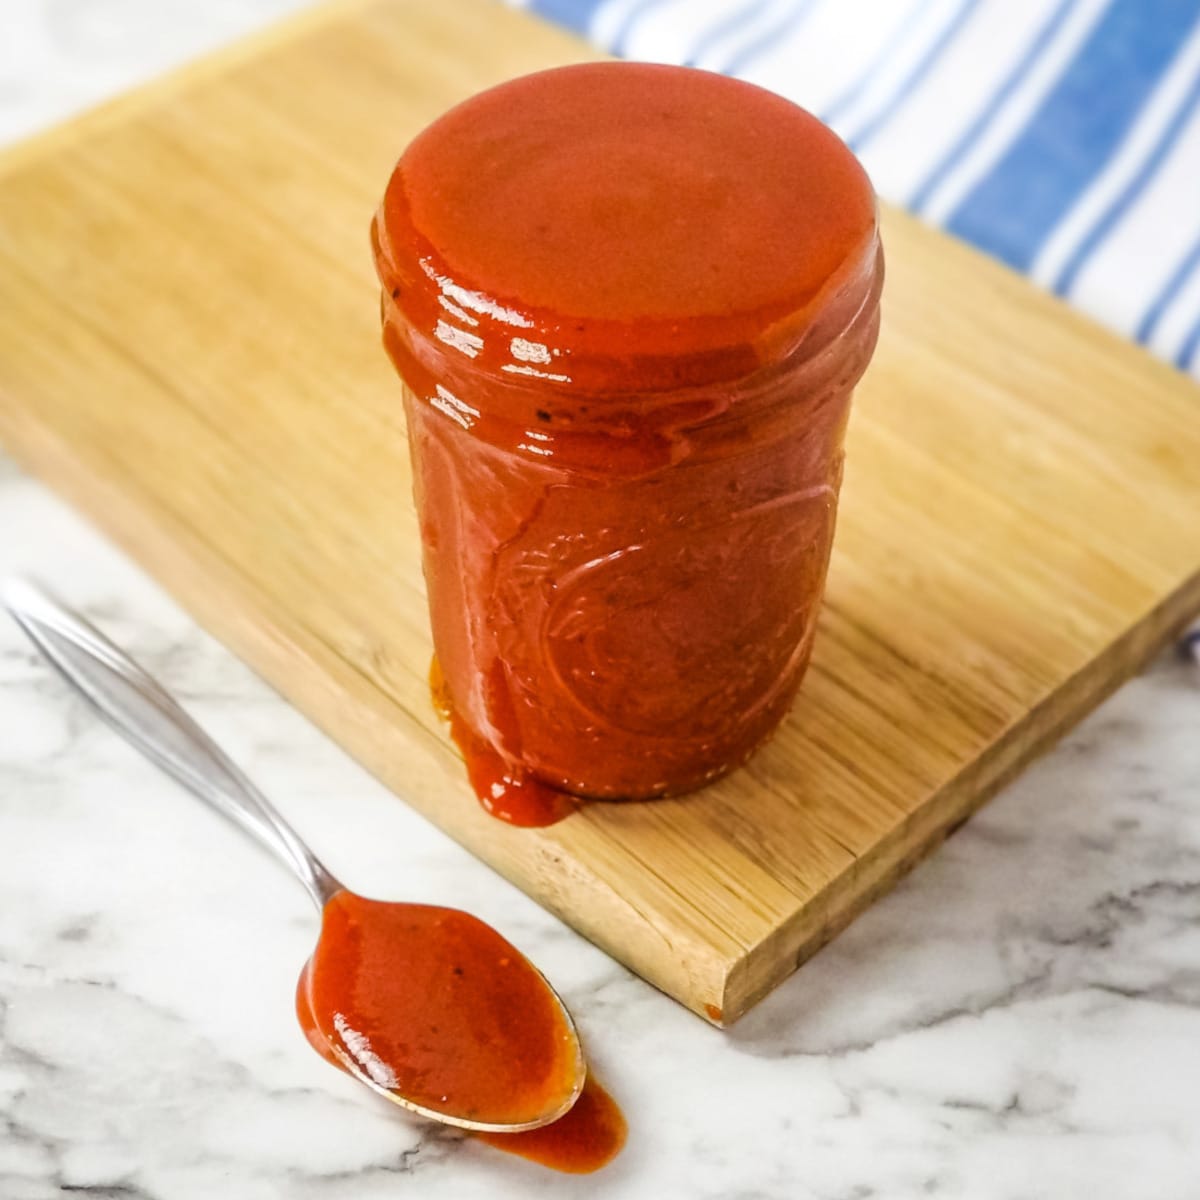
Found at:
<point>589,1136</point>
<point>629,304</point>
<point>505,791</point>
<point>433,1002</point>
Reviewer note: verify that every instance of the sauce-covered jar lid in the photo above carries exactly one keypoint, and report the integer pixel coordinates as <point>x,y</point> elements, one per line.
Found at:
<point>609,229</point>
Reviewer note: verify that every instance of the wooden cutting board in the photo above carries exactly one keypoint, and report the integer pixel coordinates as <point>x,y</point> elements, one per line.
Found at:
<point>189,350</point>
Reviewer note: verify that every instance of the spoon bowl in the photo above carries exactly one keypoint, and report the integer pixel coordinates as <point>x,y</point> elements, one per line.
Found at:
<point>439,1030</point>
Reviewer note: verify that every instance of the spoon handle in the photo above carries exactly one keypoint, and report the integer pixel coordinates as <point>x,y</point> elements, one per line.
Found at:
<point>144,713</point>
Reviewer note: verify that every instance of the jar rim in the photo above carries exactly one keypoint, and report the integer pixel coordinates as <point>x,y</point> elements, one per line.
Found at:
<point>554,353</point>
<point>636,220</point>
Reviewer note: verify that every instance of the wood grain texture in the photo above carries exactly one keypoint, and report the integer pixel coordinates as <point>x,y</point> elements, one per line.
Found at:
<point>189,350</point>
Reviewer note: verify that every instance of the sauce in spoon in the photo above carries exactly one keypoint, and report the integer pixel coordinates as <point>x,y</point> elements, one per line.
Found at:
<point>436,1009</point>
<point>434,1005</point>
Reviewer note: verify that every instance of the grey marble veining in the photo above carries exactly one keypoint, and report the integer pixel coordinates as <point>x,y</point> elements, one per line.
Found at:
<point>1019,1019</point>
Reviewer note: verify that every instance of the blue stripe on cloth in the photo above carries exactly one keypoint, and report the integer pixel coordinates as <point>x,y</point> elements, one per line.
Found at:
<point>574,14</point>
<point>729,23</point>
<point>1165,298</point>
<point>850,96</point>
<point>1130,192</point>
<point>1187,357</point>
<point>1010,212</point>
<point>1016,76</point>
<point>913,79</point>
<point>749,52</point>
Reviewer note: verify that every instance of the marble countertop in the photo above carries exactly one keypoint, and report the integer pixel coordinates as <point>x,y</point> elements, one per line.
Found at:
<point>1019,1019</point>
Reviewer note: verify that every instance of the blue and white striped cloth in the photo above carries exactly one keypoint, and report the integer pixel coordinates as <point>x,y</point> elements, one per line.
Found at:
<point>1062,136</point>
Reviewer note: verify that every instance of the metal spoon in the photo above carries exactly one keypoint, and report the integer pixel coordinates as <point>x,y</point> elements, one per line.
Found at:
<point>1189,644</point>
<point>143,712</point>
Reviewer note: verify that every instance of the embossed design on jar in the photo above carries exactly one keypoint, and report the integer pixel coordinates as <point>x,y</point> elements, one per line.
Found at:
<point>622,637</point>
<point>628,633</point>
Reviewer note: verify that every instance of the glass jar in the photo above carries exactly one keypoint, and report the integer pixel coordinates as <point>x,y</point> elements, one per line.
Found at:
<point>629,304</point>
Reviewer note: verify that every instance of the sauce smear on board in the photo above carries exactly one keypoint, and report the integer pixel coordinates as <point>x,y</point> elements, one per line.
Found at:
<point>434,1003</point>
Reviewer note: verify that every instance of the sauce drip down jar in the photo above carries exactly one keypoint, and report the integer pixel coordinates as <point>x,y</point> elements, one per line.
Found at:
<point>629,304</point>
